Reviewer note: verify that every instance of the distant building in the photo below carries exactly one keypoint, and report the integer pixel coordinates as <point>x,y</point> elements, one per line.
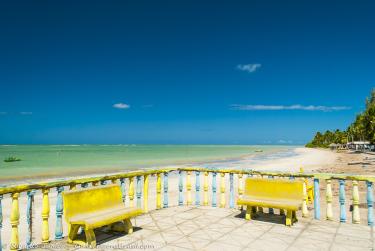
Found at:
<point>359,145</point>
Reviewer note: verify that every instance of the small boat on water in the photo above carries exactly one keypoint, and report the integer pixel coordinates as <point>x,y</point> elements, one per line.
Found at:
<point>258,151</point>
<point>12,159</point>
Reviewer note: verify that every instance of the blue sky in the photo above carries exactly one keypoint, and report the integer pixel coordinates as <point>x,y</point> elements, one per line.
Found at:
<point>182,72</point>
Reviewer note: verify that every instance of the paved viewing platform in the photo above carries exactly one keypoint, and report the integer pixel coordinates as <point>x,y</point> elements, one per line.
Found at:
<point>208,228</point>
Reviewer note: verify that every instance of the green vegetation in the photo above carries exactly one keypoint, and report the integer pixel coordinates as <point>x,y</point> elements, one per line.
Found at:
<point>363,128</point>
<point>12,159</point>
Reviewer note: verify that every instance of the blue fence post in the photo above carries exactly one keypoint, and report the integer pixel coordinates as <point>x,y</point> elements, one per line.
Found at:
<point>342,201</point>
<point>103,182</point>
<point>123,189</point>
<point>1,221</point>
<point>214,189</point>
<point>139,192</point>
<point>59,214</point>
<point>270,210</point>
<point>370,204</point>
<point>197,188</point>
<point>29,215</point>
<point>165,201</point>
<point>84,185</point>
<point>180,189</point>
<point>231,191</point>
<point>316,199</point>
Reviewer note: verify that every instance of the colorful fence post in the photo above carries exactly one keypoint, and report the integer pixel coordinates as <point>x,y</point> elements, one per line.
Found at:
<point>270,209</point>
<point>342,201</point>
<point>158,191</point>
<point>123,189</point>
<point>14,221</point>
<point>85,185</point>
<point>231,191</point>
<point>1,221</point>
<point>370,204</point>
<point>139,192</point>
<point>180,189</point>
<point>59,214</point>
<point>329,196</point>
<point>316,199</point>
<point>205,189</point>
<point>165,200</point>
<point>214,189</point>
<point>305,211</point>
<point>240,186</point>
<point>131,191</point>
<point>197,188</point>
<point>29,217</point>
<point>103,182</point>
<point>45,216</point>
<point>222,190</point>
<point>145,193</point>
<point>355,214</point>
<point>188,188</point>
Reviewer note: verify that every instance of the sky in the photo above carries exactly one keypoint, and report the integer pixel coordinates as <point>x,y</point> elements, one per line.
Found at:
<point>182,72</point>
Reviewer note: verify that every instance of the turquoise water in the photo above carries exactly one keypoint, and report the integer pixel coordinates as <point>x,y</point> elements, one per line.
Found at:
<point>62,160</point>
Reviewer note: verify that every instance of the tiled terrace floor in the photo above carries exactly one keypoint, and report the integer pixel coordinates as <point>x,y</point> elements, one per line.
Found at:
<point>206,228</point>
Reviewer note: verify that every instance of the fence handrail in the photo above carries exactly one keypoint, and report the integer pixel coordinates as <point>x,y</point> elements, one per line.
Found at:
<point>71,182</point>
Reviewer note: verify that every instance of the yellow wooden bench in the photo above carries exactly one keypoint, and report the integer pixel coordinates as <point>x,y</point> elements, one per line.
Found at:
<point>93,208</point>
<point>275,193</point>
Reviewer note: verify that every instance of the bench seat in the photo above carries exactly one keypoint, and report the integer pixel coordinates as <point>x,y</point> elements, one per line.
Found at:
<point>105,217</point>
<point>287,204</point>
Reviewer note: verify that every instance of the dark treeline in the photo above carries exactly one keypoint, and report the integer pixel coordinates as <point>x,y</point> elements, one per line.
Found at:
<point>363,128</point>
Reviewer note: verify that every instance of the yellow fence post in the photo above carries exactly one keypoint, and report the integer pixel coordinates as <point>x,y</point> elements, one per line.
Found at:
<point>14,221</point>
<point>329,200</point>
<point>131,191</point>
<point>355,216</point>
<point>45,216</point>
<point>72,187</point>
<point>205,189</point>
<point>95,183</point>
<point>158,191</point>
<point>145,193</point>
<point>222,190</point>
<point>188,188</point>
<point>305,211</point>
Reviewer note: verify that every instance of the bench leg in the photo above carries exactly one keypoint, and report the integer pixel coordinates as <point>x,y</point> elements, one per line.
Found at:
<point>294,217</point>
<point>288,220</point>
<point>282,212</point>
<point>249,210</point>
<point>90,238</point>
<point>129,226</point>
<point>73,232</point>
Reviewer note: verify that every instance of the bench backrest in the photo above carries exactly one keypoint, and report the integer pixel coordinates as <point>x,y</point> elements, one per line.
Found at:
<point>91,199</point>
<point>274,188</point>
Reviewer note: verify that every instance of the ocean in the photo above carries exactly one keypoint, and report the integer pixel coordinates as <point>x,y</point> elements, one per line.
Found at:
<point>39,161</point>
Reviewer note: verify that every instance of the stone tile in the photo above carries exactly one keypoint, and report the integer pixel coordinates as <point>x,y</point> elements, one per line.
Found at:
<point>215,246</point>
<point>311,244</point>
<point>353,241</point>
<point>319,236</point>
<point>338,247</point>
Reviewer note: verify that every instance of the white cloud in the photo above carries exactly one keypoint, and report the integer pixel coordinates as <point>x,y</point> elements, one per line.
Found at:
<point>26,113</point>
<point>121,106</point>
<point>288,107</point>
<point>249,67</point>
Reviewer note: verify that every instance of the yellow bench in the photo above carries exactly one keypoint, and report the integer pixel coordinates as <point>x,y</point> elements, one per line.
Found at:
<point>277,193</point>
<point>93,208</point>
